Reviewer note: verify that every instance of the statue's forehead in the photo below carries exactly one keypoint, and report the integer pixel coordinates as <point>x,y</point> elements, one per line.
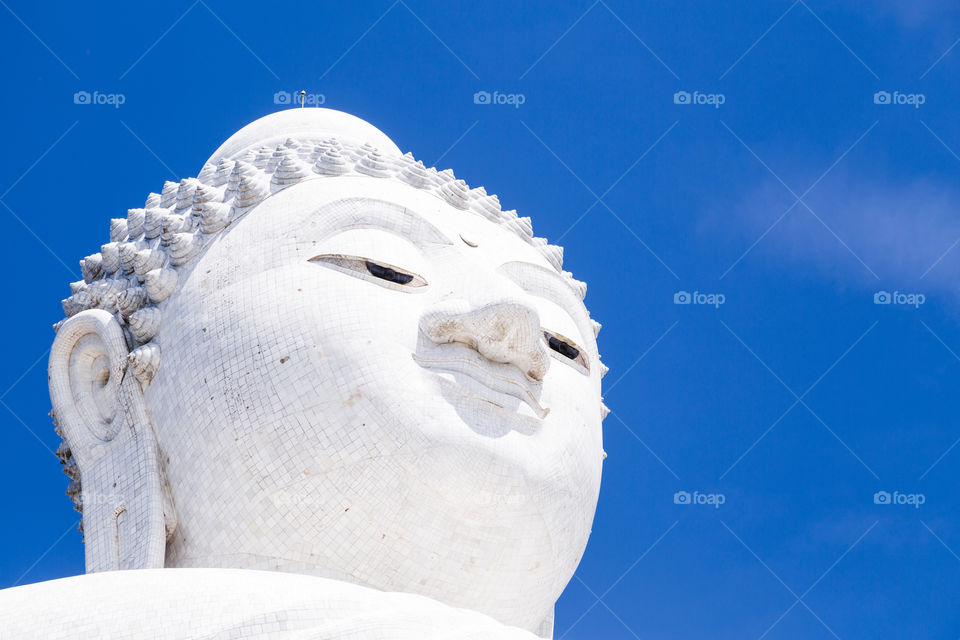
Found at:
<point>315,210</point>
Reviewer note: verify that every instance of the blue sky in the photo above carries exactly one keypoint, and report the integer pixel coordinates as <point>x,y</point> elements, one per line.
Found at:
<point>798,199</point>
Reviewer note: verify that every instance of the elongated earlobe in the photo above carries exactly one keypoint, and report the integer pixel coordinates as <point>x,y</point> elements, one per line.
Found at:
<point>110,449</point>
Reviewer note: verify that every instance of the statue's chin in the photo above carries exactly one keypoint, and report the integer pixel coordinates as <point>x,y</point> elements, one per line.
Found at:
<point>395,477</point>
<point>458,524</point>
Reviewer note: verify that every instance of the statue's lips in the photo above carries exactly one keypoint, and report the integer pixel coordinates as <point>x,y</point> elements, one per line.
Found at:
<point>500,378</point>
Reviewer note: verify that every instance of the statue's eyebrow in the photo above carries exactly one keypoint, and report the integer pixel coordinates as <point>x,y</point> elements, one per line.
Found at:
<point>434,235</point>
<point>366,213</point>
<point>551,286</point>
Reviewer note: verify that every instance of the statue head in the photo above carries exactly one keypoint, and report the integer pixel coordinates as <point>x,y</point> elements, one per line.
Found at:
<point>320,356</point>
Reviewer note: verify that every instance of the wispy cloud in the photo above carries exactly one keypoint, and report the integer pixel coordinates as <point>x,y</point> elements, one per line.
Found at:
<point>907,232</point>
<point>914,14</point>
<point>917,13</point>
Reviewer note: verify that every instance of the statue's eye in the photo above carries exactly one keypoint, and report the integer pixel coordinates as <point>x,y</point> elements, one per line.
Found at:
<point>566,350</point>
<point>562,347</point>
<point>387,273</point>
<point>381,273</point>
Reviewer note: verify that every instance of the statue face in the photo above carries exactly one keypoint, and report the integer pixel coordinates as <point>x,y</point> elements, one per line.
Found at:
<point>362,382</point>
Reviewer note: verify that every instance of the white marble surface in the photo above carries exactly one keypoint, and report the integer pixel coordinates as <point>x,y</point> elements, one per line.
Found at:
<point>222,604</point>
<point>324,359</point>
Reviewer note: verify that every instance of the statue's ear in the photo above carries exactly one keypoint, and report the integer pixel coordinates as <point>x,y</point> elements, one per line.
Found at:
<point>99,407</point>
<point>88,362</point>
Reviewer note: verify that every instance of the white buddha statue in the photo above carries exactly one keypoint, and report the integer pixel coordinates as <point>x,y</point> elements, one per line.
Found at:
<point>321,391</point>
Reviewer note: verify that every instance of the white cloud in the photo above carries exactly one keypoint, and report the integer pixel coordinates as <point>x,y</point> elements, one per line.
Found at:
<point>901,231</point>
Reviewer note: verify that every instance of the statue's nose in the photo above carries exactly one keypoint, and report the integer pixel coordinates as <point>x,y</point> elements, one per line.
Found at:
<point>506,331</point>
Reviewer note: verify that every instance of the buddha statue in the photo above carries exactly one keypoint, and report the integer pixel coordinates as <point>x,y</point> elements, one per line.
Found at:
<point>321,391</point>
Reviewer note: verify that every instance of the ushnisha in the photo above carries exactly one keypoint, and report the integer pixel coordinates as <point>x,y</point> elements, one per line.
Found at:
<point>320,357</point>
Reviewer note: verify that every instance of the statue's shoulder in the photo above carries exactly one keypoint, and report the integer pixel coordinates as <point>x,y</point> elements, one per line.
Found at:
<point>230,603</point>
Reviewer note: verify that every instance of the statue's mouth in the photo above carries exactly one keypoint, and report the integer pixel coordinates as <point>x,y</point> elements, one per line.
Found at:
<point>490,380</point>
